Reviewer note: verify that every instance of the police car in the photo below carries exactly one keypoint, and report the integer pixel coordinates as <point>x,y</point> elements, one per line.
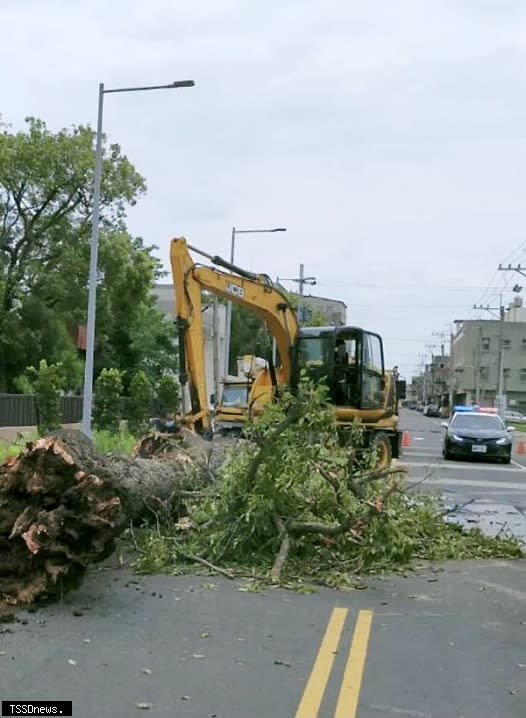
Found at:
<point>476,432</point>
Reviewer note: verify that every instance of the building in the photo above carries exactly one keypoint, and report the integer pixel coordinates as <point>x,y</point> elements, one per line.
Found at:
<point>333,310</point>
<point>436,382</point>
<point>476,352</point>
<point>165,303</point>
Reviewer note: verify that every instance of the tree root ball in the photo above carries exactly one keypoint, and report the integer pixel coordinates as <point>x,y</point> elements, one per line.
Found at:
<point>62,505</point>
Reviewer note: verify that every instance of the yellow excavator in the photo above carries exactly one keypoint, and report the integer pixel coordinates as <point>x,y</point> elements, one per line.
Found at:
<point>237,403</point>
<point>348,359</point>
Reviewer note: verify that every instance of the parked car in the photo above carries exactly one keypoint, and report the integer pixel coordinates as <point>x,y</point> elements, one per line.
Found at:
<point>515,416</point>
<point>431,410</point>
<point>474,434</point>
<point>420,407</point>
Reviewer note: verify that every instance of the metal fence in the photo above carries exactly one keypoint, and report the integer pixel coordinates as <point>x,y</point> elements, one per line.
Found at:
<point>20,409</point>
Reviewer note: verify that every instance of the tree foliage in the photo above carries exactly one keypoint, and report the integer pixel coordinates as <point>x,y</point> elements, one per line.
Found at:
<point>295,502</point>
<point>107,411</point>
<point>47,382</point>
<point>46,200</point>
<point>140,402</point>
<point>168,395</point>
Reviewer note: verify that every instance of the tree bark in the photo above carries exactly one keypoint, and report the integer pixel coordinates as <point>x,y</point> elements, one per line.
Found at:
<point>62,506</point>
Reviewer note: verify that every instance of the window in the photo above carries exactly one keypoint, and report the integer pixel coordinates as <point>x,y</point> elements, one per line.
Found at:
<point>506,373</point>
<point>506,343</point>
<point>373,382</point>
<point>372,353</point>
<point>523,376</point>
<point>485,342</point>
<point>477,421</point>
<point>523,346</point>
<point>235,396</point>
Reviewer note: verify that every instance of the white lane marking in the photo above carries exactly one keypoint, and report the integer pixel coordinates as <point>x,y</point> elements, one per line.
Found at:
<point>473,482</point>
<point>409,453</point>
<point>408,712</point>
<point>453,466</point>
<point>519,466</point>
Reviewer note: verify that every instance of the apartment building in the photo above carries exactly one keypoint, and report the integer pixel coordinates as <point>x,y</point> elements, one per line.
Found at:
<point>476,350</point>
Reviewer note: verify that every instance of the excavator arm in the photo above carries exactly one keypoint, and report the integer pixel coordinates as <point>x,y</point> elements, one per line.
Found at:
<point>255,291</point>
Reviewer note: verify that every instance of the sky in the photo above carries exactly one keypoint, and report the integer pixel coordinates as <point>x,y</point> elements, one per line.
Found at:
<point>388,138</point>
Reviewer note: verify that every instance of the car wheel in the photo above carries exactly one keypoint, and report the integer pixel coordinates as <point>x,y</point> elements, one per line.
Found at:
<point>446,454</point>
<point>506,460</point>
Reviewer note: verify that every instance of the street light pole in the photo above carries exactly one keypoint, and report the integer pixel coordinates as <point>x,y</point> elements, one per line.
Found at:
<point>228,326</point>
<point>92,280</point>
<point>94,248</point>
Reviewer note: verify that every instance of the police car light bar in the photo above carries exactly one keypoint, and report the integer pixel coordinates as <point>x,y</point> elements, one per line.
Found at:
<point>479,409</point>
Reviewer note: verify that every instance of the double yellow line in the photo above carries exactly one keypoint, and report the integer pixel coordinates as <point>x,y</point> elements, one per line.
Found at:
<point>347,702</point>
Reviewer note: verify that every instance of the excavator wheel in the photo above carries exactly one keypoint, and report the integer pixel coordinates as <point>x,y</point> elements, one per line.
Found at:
<point>382,445</point>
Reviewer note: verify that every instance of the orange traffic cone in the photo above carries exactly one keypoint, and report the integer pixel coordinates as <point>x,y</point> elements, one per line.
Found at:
<point>521,447</point>
<point>406,439</point>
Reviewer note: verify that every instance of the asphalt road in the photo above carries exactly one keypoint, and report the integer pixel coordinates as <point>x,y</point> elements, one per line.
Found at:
<point>445,641</point>
<point>496,492</point>
<point>435,644</point>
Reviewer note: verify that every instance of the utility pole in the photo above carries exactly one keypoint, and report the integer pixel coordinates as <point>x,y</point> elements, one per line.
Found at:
<point>520,270</point>
<point>442,373</point>
<point>301,280</point>
<point>300,298</point>
<point>443,337</point>
<point>500,399</point>
<point>452,378</point>
<point>431,387</point>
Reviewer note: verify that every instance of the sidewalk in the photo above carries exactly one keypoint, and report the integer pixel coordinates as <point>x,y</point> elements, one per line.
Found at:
<point>8,434</point>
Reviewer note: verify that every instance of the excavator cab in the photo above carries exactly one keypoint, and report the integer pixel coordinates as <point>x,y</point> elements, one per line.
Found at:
<point>348,359</point>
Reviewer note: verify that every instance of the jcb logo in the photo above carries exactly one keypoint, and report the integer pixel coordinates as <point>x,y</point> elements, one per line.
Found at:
<point>235,289</point>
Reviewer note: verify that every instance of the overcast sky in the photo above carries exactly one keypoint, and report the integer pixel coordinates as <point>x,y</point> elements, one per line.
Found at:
<point>388,137</point>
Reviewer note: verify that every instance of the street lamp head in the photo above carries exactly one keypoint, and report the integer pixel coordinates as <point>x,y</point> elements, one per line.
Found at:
<point>182,83</point>
<point>279,229</point>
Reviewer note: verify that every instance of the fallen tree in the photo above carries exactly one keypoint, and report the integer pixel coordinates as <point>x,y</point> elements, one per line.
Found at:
<point>290,503</point>
<point>62,505</point>
<point>295,502</point>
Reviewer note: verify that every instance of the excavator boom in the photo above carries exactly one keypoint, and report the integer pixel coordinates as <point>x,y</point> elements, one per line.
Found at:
<point>255,291</point>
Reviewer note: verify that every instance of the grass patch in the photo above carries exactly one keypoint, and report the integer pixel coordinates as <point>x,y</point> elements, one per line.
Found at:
<point>109,443</point>
<point>14,447</point>
<point>105,442</point>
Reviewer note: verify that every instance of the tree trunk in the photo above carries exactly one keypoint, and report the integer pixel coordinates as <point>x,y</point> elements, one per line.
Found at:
<point>62,506</point>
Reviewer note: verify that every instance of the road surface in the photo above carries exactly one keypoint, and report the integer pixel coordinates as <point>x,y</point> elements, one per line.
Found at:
<point>444,641</point>
<point>497,492</point>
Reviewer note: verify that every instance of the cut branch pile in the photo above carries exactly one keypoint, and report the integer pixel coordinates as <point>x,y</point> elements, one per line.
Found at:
<point>291,501</point>
<point>62,507</point>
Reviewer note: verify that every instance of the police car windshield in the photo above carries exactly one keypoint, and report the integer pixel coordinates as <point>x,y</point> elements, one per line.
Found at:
<point>477,421</point>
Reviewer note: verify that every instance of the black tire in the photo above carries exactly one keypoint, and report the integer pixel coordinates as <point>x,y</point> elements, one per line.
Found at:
<point>446,454</point>
<point>506,460</point>
<point>381,443</point>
